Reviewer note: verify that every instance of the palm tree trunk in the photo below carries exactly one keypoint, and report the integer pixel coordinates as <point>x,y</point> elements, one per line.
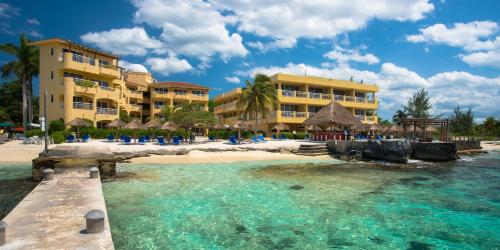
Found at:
<point>25,107</point>
<point>256,122</point>
<point>30,99</point>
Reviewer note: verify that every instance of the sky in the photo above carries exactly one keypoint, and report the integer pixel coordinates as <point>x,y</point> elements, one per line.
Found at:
<point>449,47</point>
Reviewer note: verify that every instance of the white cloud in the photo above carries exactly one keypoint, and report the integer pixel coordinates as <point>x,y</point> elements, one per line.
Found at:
<point>132,67</point>
<point>397,84</point>
<point>285,21</point>
<point>479,39</point>
<point>192,28</point>
<point>342,55</point>
<point>133,41</point>
<point>232,79</point>
<point>489,58</point>
<point>33,21</point>
<point>169,65</point>
<point>7,11</point>
<point>465,35</point>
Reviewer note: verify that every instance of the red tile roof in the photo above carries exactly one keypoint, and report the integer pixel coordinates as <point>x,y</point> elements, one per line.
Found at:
<point>182,85</point>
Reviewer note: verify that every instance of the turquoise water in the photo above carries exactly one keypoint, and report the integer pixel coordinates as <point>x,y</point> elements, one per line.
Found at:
<point>15,184</point>
<point>299,205</point>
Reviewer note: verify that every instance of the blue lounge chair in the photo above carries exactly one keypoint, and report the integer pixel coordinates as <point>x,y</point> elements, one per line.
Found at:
<point>71,139</point>
<point>111,138</point>
<point>127,140</point>
<point>233,140</point>
<point>274,137</point>
<point>254,139</point>
<point>161,141</point>
<point>283,137</point>
<point>176,140</point>
<point>211,138</point>
<point>378,138</point>
<point>142,140</point>
<point>122,137</point>
<point>146,137</point>
<point>181,139</point>
<point>261,138</point>
<point>86,138</point>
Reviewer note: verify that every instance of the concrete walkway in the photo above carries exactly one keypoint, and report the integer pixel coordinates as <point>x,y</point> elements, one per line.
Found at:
<point>52,215</point>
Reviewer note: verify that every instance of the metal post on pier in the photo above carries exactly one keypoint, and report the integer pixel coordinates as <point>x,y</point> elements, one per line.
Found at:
<point>44,123</point>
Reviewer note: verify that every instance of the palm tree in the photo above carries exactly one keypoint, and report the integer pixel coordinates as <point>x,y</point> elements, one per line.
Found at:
<point>419,105</point>
<point>25,67</point>
<point>399,116</point>
<point>258,98</point>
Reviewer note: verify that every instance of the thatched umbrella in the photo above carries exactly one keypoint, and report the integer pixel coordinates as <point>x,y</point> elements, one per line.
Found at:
<point>153,124</point>
<point>417,129</point>
<point>239,125</point>
<point>331,115</point>
<point>313,128</point>
<point>77,123</point>
<point>218,126</point>
<point>135,125</point>
<point>117,123</point>
<point>394,129</point>
<point>281,126</point>
<point>170,127</point>
<point>375,127</point>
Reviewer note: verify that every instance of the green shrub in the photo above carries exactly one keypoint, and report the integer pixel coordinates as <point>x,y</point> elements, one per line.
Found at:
<point>58,137</point>
<point>85,83</point>
<point>298,135</point>
<point>35,132</point>
<point>56,125</point>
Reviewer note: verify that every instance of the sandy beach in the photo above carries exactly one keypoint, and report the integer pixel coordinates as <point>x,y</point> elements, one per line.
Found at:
<point>15,151</point>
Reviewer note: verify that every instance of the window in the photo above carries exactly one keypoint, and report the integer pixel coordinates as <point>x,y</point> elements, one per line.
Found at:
<point>289,87</point>
<point>316,90</point>
<point>51,74</point>
<point>51,98</point>
<point>159,104</point>
<point>198,92</point>
<point>161,90</point>
<point>103,63</point>
<point>66,74</point>
<point>180,91</point>
<point>51,51</point>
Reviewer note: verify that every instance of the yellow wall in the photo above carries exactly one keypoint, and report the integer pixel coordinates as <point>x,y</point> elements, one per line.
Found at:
<point>227,111</point>
<point>117,96</point>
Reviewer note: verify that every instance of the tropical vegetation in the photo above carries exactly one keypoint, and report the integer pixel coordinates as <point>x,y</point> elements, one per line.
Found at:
<point>258,98</point>
<point>24,68</point>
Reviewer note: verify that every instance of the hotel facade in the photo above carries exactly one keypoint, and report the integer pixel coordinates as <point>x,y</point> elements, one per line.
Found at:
<point>82,82</point>
<point>300,97</point>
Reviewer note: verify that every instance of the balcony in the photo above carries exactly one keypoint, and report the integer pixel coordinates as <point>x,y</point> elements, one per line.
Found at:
<point>83,105</point>
<point>107,111</point>
<point>300,97</point>
<point>135,107</point>
<point>87,64</point>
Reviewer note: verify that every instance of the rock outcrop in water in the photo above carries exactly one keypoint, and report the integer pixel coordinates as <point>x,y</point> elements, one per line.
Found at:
<point>445,151</point>
<point>388,150</point>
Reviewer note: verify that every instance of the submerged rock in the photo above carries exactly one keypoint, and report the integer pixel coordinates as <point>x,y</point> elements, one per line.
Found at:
<point>296,187</point>
<point>418,245</point>
<point>240,229</point>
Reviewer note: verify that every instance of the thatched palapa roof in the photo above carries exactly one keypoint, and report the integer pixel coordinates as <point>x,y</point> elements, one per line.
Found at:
<point>333,114</point>
<point>153,123</point>
<point>170,126</point>
<point>281,127</point>
<point>77,122</point>
<point>117,123</point>
<point>135,124</point>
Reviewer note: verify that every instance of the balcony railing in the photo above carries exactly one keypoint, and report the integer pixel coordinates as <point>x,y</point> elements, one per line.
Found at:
<point>348,98</point>
<point>361,117</point>
<point>83,105</point>
<point>107,111</point>
<point>87,60</point>
<point>180,93</point>
<point>107,88</point>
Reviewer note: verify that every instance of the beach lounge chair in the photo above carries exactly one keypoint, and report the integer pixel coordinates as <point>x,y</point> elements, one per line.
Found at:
<point>71,139</point>
<point>86,138</point>
<point>111,138</point>
<point>146,138</point>
<point>261,138</point>
<point>283,137</point>
<point>211,138</point>
<point>254,139</point>
<point>181,139</point>
<point>378,138</point>
<point>127,140</point>
<point>233,140</point>
<point>161,141</point>
<point>274,137</point>
<point>122,137</point>
<point>142,140</point>
<point>176,140</point>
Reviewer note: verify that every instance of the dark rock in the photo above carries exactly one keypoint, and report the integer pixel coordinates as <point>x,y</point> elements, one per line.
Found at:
<point>285,243</point>
<point>444,151</point>
<point>296,187</point>
<point>376,240</point>
<point>418,245</point>
<point>386,150</point>
<point>240,229</point>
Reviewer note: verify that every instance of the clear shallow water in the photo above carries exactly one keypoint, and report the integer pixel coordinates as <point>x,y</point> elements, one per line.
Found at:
<point>15,184</point>
<point>280,204</point>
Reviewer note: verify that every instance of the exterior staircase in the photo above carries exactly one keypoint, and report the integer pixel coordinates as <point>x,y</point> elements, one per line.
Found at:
<point>313,149</point>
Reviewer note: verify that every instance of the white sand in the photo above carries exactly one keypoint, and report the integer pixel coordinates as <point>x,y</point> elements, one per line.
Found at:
<point>490,145</point>
<point>18,152</point>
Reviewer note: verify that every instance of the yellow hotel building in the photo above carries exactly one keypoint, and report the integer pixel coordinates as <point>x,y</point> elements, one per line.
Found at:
<point>86,83</point>
<point>299,97</point>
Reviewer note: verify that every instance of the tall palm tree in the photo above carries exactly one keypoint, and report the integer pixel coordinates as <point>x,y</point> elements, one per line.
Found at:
<point>25,67</point>
<point>258,98</point>
<point>399,116</point>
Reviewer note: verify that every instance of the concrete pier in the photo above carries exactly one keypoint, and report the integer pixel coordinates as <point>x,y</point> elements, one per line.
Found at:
<point>52,215</point>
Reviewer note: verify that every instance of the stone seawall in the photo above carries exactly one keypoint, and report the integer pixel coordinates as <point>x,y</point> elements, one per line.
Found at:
<point>468,145</point>
<point>394,150</point>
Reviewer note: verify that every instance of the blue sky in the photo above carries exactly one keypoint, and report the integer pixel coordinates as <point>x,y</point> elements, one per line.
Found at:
<point>452,48</point>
